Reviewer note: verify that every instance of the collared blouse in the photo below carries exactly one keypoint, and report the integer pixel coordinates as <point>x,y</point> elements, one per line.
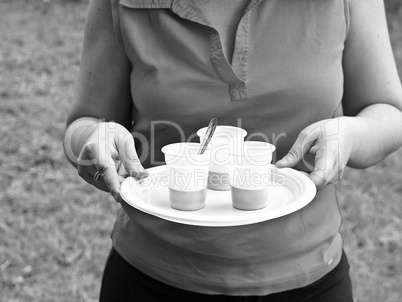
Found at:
<point>285,74</point>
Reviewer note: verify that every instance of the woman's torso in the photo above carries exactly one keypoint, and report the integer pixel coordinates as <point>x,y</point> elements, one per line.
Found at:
<point>285,74</point>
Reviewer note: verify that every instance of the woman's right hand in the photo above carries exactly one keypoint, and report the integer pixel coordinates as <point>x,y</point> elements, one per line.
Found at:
<point>110,151</point>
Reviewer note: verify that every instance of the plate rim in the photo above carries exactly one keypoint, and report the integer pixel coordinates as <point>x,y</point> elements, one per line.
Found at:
<point>250,218</point>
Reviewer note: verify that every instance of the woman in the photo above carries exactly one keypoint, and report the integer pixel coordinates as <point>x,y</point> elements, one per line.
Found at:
<point>316,78</point>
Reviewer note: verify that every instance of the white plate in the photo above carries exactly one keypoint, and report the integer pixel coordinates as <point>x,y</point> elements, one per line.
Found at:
<point>290,191</point>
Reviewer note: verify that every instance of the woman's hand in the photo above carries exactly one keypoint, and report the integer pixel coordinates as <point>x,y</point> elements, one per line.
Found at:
<point>330,144</point>
<point>110,151</point>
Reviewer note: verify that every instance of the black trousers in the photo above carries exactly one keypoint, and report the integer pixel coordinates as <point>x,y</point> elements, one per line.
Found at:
<point>124,283</point>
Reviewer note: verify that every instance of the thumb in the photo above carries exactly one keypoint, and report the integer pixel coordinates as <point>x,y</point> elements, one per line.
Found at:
<point>129,158</point>
<point>303,143</point>
<point>291,159</point>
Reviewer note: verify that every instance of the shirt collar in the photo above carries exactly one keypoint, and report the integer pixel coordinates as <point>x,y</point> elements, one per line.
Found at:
<point>147,3</point>
<point>167,3</point>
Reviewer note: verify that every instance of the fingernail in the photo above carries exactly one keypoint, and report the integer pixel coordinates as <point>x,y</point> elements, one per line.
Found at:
<point>140,173</point>
<point>283,161</point>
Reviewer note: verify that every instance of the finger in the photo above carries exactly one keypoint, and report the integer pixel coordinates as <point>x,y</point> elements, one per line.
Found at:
<point>87,174</point>
<point>128,156</point>
<point>121,170</point>
<point>111,178</point>
<point>325,167</point>
<point>89,177</point>
<point>106,166</point>
<point>86,168</point>
<point>122,178</point>
<point>304,141</point>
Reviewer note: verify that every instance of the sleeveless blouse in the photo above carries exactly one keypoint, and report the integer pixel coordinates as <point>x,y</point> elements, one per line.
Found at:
<point>285,74</point>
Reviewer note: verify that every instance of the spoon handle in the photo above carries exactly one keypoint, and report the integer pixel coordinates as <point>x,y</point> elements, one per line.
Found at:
<point>208,135</point>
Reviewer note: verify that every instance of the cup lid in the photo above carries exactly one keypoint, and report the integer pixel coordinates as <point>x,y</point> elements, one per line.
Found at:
<point>224,131</point>
<point>186,151</point>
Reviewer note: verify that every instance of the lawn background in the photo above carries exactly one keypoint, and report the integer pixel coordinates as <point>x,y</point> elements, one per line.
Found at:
<point>54,228</point>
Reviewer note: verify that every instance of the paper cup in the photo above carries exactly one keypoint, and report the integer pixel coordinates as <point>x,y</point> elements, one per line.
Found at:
<point>250,175</point>
<point>188,175</point>
<point>224,138</point>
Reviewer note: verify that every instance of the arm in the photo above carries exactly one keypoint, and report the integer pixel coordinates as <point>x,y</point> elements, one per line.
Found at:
<point>97,138</point>
<point>373,91</point>
<point>372,126</point>
<point>103,86</point>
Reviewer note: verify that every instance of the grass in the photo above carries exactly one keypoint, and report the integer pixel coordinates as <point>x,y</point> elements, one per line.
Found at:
<point>54,228</point>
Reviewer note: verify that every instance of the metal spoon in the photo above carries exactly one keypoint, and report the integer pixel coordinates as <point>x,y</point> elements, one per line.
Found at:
<point>208,135</point>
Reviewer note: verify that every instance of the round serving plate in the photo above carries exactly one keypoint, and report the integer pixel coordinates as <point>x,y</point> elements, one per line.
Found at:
<point>289,191</point>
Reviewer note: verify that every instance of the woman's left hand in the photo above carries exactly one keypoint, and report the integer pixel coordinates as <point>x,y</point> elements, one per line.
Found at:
<point>328,141</point>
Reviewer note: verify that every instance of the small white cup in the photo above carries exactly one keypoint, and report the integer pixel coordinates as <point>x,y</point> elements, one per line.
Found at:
<point>250,175</point>
<point>188,175</point>
<point>224,138</point>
